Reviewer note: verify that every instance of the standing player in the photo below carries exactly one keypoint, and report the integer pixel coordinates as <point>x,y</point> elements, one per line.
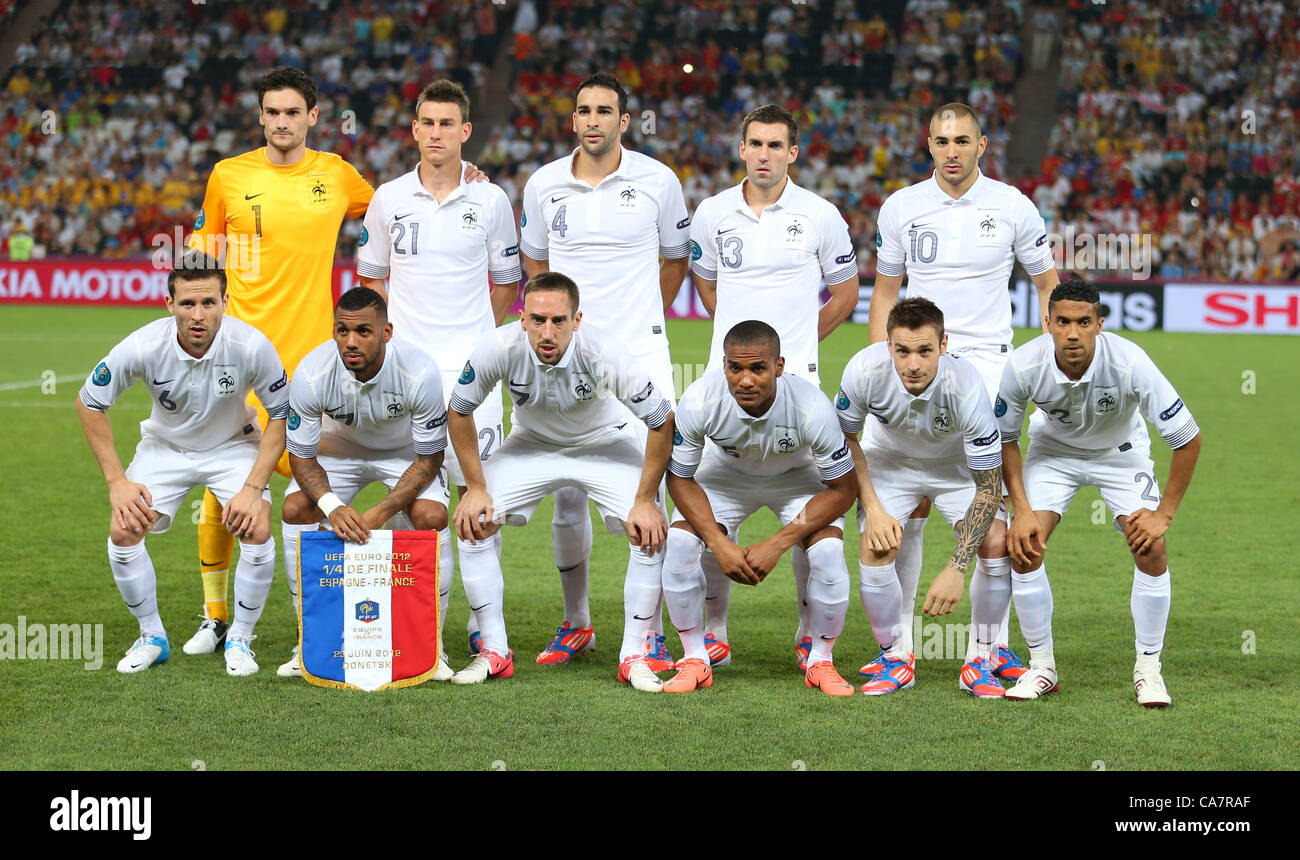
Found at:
<point>387,423</point>
<point>616,222</point>
<point>957,235</point>
<point>568,429</point>
<point>277,210</point>
<point>933,436</point>
<point>776,445</point>
<point>438,239</point>
<point>1092,389</point>
<point>199,368</point>
<point>761,250</point>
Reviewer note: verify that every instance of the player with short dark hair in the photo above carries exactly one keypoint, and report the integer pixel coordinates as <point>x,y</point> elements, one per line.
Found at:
<point>957,236</point>
<point>615,221</point>
<point>364,407</point>
<point>275,213</point>
<point>933,436</point>
<point>573,387</point>
<point>1092,389</point>
<point>199,367</point>
<point>763,250</point>
<point>776,444</point>
<point>449,250</point>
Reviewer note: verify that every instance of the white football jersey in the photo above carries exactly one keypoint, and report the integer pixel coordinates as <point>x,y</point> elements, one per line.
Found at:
<point>608,239</point>
<point>771,268</point>
<point>1103,409</point>
<point>952,414</point>
<point>573,401</point>
<point>959,253</point>
<point>798,429</point>
<point>198,403</point>
<point>438,258</point>
<point>400,405</point>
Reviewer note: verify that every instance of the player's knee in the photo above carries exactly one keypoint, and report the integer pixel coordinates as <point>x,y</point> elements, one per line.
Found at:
<point>125,537</point>
<point>995,545</point>
<point>261,534</point>
<point>826,533</point>
<point>1152,561</point>
<point>430,516</point>
<point>876,558</point>
<point>298,510</point>
<point>1034,561</point>
<point>922,510</point>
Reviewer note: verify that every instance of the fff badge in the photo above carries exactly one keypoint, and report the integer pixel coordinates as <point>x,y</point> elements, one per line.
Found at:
<point>368,614</point>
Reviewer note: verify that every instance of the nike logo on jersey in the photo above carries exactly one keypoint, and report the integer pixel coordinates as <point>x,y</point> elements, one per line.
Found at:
<point>161,382</point>
<point>728,230</point>
<point>251,196</point>
<point>558,199</point>
<point>400,217</point>
<point>916,226</point>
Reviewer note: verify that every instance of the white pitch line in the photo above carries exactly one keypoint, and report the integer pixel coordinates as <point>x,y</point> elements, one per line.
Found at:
<point>36,383</point>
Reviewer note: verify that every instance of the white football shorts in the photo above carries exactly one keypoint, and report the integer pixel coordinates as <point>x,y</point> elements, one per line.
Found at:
<point>350,468</point>
<point>1125,479</point>
<point>734,495</point>
<point>488,419</point>
<point>901,482</point>
<point>171,473</point>
<point>527,468</point>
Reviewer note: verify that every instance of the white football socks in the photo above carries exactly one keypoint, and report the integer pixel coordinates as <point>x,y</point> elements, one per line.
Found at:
<point>1150,605</point>
<point>683,582</point>
<point>571,541</point>
<point>717,596</point>
<point>799,561</point>
<point>828,596</point>
<point>133,572</point>
<point>907,564</point>
<point>990,601</point>
<point>881,595</point>
<point>480,574</point>
<point>446,575</point>
<point>253,577</point>
<point>1033,596</point>
<point>289,546</point>
<point>642,594</point>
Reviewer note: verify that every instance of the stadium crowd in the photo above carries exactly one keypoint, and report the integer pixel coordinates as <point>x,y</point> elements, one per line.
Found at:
<point>1174,118</point>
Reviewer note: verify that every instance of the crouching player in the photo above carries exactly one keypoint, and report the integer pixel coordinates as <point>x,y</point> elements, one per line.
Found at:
<point>777,445</point>
<point>364,408</point>
<point>568,431</point>
<point>1092,389</point>
<point>199,367</point>
<point>934,436</point>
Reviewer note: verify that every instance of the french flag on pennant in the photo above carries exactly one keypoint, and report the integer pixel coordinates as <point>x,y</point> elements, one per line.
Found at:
<point>368,613</point>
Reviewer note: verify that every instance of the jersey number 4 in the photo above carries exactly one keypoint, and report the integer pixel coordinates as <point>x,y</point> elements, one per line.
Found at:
<point>918,242</point>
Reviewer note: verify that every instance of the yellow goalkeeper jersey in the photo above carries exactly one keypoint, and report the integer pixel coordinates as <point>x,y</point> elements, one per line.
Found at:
<point>279,225</point>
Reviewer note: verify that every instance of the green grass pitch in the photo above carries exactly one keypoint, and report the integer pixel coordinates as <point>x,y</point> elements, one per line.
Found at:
<point>1230,655</point>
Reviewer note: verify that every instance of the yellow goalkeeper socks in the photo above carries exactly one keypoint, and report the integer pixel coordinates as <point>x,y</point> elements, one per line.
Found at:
<point>216,546</point>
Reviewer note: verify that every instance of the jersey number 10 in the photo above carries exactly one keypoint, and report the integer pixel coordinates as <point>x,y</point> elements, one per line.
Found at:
<point>918,243</point>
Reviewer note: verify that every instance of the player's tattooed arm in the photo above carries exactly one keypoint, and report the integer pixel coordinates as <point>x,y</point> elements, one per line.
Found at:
<point>414,480</point>
<point>979,517</point>
<point>310,476</point>
<point>946,588</point>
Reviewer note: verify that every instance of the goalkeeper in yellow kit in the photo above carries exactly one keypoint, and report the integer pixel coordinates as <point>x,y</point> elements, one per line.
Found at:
<point>277,212</point>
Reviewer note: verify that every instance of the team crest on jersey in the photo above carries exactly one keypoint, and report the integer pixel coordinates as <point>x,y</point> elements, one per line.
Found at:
<point>696,250</point>
<point>785,444</point>
<point>794,232</point>
<point>987,229</point>
<point>393,405</point>
<point>677,437</point>
<point>466,375</point>
<point>225,380</point>
<point>1107,398</point>
<point>295,420</point>
<point>941,422</point>
<point>317,189</point>
<point>365,237</point>
<point>629,199</point>
<point>1000,407</point>
<point>198,222</point>
<point>367,611</point>
<point>841,400</point>
<point>471,217</point>
<point>102,374</point>
<point>584,389</point>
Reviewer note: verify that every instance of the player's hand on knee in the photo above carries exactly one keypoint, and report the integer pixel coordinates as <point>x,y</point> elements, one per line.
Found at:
<point>945,592</point>
<point>1025,540</point>
<point>240,514</point>
<point>882,532</point>
<point>131,504</point>
<point>731,561</point>
<point>473,515</point>
<point>349,525</point>
<point>1143,528</point>
<point>646,527</point>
